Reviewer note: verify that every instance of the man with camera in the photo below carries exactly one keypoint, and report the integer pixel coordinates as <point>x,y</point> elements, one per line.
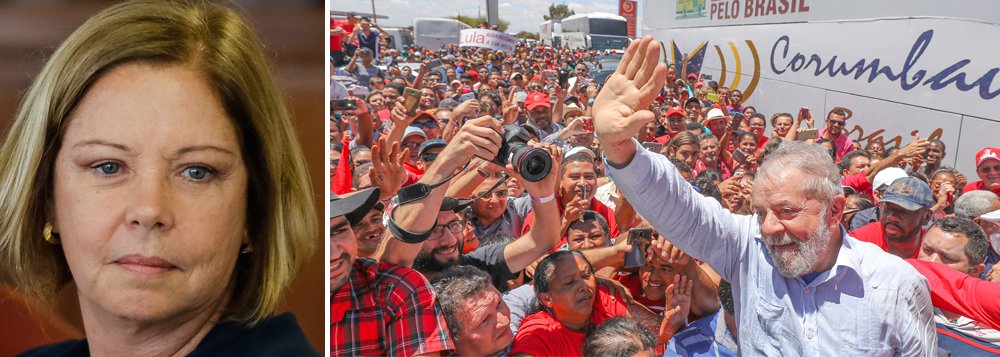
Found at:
<point>803,285</point>
<point>425,230</point>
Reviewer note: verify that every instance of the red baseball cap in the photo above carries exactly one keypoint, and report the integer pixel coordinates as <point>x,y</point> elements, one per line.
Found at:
<point>986,154</point>
<point>692,74</point>
<point>535,99</point>
<point>676,111</point>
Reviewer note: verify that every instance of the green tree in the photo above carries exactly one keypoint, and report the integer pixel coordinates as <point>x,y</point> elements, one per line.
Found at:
<point>558,12</point>
<point>476,21</point>
<point>528,35</point>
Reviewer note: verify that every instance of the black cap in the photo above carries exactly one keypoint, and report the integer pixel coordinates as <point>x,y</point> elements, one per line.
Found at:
<point>355,205</point>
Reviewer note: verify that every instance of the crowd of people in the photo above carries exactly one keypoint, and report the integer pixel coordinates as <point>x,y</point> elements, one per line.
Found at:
<point>758,221</point>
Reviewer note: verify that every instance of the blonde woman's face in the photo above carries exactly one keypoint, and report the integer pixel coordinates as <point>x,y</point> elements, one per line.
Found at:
<point>150,196</point>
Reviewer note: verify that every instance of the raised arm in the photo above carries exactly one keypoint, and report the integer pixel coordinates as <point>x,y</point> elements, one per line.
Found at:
<point>480,137</point>
<point>696,224</point>
<point>544,235</point>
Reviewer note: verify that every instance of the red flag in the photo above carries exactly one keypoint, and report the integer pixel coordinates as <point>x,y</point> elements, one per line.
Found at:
<point>341,183</point>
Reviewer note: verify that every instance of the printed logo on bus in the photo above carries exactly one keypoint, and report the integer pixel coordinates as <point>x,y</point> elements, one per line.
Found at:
<point>692,63</point>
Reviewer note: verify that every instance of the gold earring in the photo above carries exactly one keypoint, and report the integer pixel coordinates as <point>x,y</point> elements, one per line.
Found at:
<point>52,238</point>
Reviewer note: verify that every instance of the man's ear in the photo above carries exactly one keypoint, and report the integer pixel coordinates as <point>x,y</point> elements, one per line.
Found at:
<point>836,210</point>
<point>977,269</point>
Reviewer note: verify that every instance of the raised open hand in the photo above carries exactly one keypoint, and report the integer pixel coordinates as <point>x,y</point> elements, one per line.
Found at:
<point>387,172</point>
<point>620,108</point>
<point>678,305</point>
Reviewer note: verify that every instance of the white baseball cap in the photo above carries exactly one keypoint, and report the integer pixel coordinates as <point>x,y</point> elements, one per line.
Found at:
<point>887,176</point>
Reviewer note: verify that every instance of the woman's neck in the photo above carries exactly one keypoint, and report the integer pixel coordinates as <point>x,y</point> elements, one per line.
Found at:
<point>109,334</point>
<point>575,323</point>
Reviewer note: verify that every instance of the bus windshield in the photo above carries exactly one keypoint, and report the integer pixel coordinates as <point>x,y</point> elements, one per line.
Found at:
<point>609,27</point>
<point>599,42</point>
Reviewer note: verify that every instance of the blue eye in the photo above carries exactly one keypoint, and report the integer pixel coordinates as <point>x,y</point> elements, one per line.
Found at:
<point>109,168</point>
<point>197,173</point>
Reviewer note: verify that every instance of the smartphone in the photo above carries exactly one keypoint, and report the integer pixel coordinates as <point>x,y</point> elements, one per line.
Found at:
<point>740,157</point>
<point>584,192</point>
<point>411,100</point>
<point>588,124</point>
<point>737,120</point>
<point>712,97</point>
<point>805,113</point>
<point>652,146</point>
<point>434,63</point>
<point>639,239</point>
<point>807,134</point>
<point>341,105</point>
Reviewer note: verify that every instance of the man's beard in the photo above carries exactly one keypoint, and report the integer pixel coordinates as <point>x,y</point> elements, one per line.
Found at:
<point>799,262</point>
<point>427,261</point>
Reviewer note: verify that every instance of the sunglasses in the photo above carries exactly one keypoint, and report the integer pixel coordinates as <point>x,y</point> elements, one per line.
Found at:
<point>424,125</point>
<point>838,122</point>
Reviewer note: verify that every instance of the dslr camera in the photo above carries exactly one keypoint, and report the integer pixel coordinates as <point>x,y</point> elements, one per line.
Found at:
<point>532,163</point>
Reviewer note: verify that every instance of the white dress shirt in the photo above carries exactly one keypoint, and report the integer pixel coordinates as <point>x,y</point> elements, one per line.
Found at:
<point>870,303</point>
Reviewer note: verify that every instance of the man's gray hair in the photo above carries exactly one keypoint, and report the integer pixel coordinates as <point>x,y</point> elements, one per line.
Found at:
<point>976,203</point>
<point>454,288</point>
<point>821,178</point>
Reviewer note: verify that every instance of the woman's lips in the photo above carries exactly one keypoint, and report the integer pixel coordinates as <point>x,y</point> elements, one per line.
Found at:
<point>145,265</point>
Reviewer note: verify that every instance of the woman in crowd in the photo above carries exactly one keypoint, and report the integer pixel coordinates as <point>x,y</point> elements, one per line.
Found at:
<point>685,147</point>
<point>153,164</point>
<point>572,304</point>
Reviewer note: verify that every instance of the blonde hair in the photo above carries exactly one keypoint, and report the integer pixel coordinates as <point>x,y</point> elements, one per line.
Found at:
<point>217,43</point>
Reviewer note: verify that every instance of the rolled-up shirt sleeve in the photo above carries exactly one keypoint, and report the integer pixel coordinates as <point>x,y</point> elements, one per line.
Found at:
<point>696,224</point>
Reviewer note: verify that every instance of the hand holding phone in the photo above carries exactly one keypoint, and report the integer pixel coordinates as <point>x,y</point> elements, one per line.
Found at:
<point>411,100</point>
<point>804,113</point>
<point>639,239</point>
<point>736,121</point>
<point>740,157</point>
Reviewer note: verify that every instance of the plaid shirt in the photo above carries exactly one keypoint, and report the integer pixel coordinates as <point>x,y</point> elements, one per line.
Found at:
<point>388,310</point>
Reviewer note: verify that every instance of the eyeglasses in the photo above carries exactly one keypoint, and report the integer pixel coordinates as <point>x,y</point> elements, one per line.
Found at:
<point>425,124</point>
<point>499,194</point>
<point>838,122</point>
<point>334,162</point>
<point>455,227</point>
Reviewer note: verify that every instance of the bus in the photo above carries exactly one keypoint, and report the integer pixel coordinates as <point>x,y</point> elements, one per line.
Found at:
<point>923,68</point>
<point>550,33</point>
<point>399,38</point>
<point>597,30</point>
<point>435,33</point>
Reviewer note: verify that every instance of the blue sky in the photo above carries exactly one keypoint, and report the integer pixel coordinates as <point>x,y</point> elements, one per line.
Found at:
<point>522,15</point>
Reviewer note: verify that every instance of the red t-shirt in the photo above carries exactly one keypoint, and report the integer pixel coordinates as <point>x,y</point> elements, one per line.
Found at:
<point>724,169</point>
<point>540,334</point>
<point>595,205</point>
<point>978,185</point>
<point>336,42</point>
<point>859,182</point>
<point>961,293</point>
<point>633,282</point>
<point>872,233</point>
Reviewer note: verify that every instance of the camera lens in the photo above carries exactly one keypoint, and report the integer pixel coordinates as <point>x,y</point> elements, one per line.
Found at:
<point>532,163</point>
